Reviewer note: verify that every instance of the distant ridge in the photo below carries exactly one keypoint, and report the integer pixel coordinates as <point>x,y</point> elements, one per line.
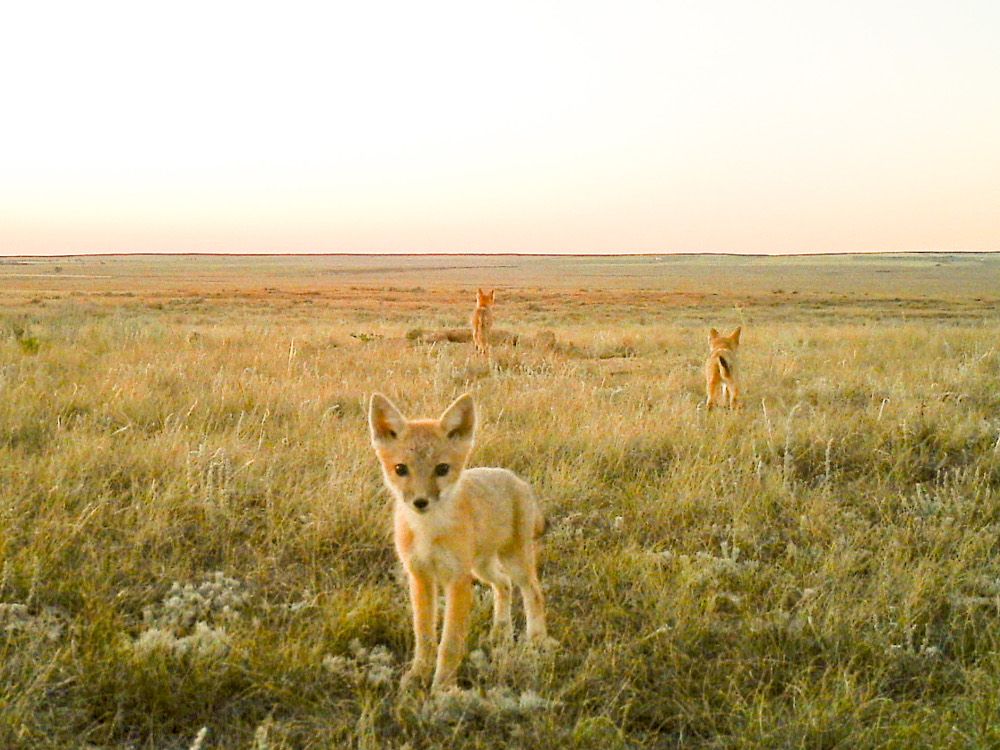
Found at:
<point>503,254</point>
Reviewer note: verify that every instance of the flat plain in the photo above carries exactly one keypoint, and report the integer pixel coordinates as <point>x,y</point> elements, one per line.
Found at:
<point>195,541</point>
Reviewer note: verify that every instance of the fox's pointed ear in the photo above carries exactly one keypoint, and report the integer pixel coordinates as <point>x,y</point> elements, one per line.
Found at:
<point>480,292</point>
<point>459,419</point>
<point>735,335</point>
<point>384,419</point>
<point>493,294</point>
<point>712,334</point>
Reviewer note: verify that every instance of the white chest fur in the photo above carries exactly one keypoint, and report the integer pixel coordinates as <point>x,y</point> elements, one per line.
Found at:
<point>427,552</point>
<point>438,562</point>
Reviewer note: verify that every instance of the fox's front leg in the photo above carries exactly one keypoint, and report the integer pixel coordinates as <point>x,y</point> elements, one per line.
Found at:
<point>458,605</point>
<point>423,599</point>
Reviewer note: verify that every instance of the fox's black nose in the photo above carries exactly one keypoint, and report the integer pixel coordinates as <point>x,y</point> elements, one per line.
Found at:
<point>420,503</point>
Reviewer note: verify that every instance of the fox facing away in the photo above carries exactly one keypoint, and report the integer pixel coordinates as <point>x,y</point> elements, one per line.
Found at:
<point>482,320</point>
<point>720,371</point>
<point>453,524</point>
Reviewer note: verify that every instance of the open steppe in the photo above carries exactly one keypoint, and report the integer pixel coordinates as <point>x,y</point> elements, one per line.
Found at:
<point>195,543</point>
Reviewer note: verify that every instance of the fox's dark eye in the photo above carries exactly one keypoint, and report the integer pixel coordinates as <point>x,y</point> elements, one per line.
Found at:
<point>442,469</point>
<point>401,469</point>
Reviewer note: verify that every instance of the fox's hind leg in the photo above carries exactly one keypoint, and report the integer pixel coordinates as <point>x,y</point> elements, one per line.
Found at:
<point>522,571</point>
<point>493,574</point>
<point>732,393</point>
<point>480,340</point>
<point>712,387</point>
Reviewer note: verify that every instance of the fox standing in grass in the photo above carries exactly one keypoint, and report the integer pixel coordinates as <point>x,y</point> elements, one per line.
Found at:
<point>482,320</point>
<point>719,369</point>
<point>452,524</point>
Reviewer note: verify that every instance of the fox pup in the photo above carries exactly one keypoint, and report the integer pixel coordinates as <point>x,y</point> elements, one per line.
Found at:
<point>482,320</point>
<point>452,524</point>
<point>719,369</point>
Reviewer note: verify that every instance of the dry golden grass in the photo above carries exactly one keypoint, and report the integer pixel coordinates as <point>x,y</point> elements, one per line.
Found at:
<point>819,569</point>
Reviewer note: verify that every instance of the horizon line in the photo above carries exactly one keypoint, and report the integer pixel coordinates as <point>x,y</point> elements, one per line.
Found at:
<point>730,254</point>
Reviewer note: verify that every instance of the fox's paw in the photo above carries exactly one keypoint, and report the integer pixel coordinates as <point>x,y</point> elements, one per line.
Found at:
<point>443,684</point>
<point>543,643</point>
<point>549,644</point>
<point>417,676</point>
<point>499,635</point>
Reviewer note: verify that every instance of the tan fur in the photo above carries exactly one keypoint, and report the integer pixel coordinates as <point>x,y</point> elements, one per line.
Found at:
<point>478,523</point>
<point>720,368</point>
<point>482,320</point>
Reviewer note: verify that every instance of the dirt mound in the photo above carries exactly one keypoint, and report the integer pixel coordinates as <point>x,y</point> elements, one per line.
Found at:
<point>460,336</point>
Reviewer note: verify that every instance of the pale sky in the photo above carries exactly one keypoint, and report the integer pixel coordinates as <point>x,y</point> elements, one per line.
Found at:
<point>539,126</point>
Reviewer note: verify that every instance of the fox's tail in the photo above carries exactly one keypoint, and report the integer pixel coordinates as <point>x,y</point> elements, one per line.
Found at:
<point>726,368</point>
<point>541,525</point>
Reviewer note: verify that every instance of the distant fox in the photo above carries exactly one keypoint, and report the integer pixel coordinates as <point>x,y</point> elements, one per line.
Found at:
<point>720,368</point>
<point>452,524</point>
<point>482,320</point>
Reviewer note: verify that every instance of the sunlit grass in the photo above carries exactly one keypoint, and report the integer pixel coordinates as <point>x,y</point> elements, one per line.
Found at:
<point>818,569</point>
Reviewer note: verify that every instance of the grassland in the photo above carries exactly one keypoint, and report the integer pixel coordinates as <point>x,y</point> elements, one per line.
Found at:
<point>194,537</point>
